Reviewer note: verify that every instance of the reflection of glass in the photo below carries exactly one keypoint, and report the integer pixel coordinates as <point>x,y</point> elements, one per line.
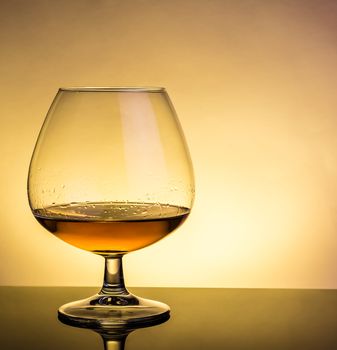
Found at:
<point>111,174</point>
<point>114,337</point>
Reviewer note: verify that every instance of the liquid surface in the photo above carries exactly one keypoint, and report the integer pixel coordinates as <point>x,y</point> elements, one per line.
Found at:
<point>111,227</point>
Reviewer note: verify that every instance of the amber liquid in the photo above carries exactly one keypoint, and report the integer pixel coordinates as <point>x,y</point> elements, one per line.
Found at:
<point>113,227</point>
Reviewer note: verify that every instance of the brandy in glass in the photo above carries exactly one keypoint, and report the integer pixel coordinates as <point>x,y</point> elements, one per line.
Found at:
<point>111,174</point>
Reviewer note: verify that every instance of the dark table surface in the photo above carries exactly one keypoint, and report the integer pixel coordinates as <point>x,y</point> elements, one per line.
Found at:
<point>200,319</point>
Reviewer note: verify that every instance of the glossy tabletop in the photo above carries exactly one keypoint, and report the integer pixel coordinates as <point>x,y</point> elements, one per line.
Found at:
<point>200,319</point>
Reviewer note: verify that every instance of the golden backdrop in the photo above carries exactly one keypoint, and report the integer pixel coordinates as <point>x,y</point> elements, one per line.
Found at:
<point>254,84</point>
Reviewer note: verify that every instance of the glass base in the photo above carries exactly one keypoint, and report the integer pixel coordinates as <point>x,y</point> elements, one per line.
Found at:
<point>113,311</point>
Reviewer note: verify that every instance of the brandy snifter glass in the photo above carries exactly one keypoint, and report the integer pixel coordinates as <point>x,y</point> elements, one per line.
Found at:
<point>111,174</point>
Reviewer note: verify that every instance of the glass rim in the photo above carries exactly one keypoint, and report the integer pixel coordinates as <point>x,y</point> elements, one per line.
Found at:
<point>113,89</point>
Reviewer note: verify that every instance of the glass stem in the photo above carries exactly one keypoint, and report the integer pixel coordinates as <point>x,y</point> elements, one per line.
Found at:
<point>113,276</point>
<point>114,344</point>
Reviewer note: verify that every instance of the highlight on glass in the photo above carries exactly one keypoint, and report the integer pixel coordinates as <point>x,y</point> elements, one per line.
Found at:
<point>110,174</point>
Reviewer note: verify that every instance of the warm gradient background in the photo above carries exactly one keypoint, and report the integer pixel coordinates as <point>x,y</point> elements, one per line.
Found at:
<point>254,83</point>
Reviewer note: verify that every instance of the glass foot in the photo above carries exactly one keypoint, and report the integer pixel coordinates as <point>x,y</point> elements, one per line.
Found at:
<point>113,311</point>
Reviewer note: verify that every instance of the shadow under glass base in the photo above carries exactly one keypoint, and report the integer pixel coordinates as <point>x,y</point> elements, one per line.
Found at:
<point>113,311</point>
